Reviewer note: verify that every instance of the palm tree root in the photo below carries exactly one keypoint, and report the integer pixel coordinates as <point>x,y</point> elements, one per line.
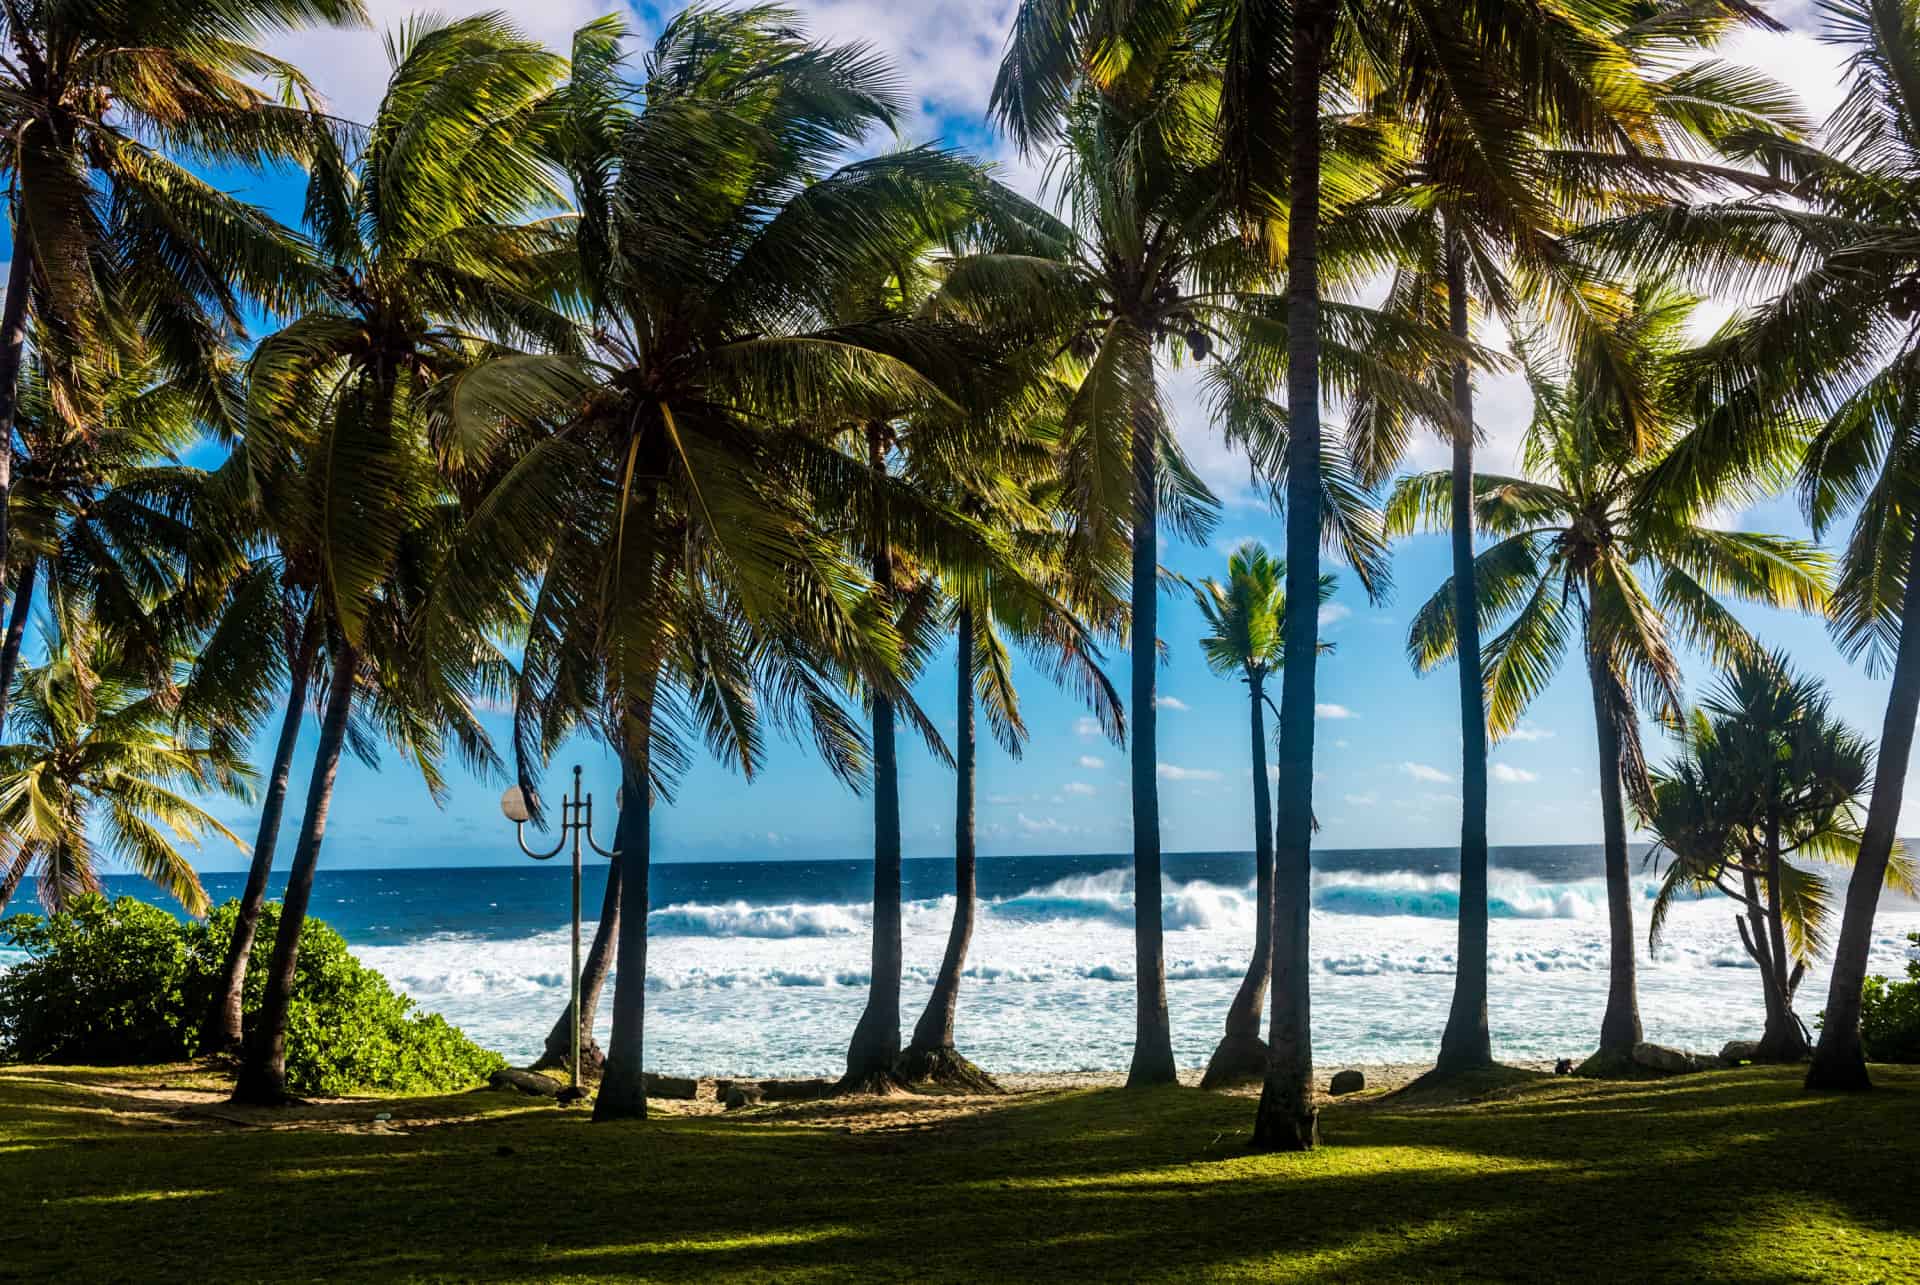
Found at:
<point>1287,1119</point>
<point>885,1083</point>
<point>1237,1059</point>
<point>1838,1070</point>
<point>946,1068</point>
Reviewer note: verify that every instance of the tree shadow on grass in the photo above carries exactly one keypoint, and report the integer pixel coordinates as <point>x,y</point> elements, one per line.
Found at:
<point>1623,1181</point>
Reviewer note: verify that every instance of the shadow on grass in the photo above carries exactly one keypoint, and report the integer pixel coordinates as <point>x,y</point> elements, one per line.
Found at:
<point>1734,1175</point>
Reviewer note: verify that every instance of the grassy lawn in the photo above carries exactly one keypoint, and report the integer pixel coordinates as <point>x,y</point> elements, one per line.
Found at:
<point>1731,1176</point>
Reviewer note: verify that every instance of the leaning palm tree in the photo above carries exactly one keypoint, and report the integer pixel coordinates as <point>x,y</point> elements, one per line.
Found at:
<point>1597,546</point>
<point>1838,259</point>
<point>1768,779</point>
<point>1246,638</point>
<point>112,234</point>
<point>688,455</point>
<point>100,762</point>
<point>419,253</point>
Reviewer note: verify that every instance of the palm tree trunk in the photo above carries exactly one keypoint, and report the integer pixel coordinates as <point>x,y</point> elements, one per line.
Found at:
<point>1153,1032</point>
<point>623,1081</point>
<point>1467,1043</point>
<point>13,349</point>
<point>593,979</point>
<point>16,633</point>
<point>1784,1039</point>
<point>930,1054</point>
<point>263,1071</point>
<point>1620,1027</point>
<point>1838,1061</point>
<point>1242,1054</point>
<point>875,1046</point>
<point>221,1028</point>
<point>1287,1119</point>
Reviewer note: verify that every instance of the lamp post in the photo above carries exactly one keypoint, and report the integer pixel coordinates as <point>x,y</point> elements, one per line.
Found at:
<point>576,823</point>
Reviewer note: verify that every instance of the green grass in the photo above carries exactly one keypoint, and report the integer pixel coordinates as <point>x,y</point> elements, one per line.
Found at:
<point>1734,1175</point>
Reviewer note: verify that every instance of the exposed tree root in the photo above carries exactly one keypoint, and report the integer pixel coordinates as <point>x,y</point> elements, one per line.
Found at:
<point>1237,1059</point>
<point>883,1083</point>
<point>592,1061</point>
<point>946,1068</point>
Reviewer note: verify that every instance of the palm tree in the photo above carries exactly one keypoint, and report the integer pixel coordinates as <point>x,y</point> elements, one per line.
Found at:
<point>1482,221</point>
<point>1152,258</point>
<point>112,234</point>
<point>418,253</point>
<point>100,760</point>
<point>1837,254</point>
<point>667,487</point>
<point>1246,636</point>
<point>1766,773</point>
<point>1598,543</point>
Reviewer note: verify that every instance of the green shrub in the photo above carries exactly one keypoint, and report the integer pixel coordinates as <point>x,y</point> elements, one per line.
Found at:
<point>123,981</point>
<point>1890,1015</point>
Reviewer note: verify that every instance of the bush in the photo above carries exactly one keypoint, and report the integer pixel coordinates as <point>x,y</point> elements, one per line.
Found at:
<point>1890,1015</point>
<point>120,982</point>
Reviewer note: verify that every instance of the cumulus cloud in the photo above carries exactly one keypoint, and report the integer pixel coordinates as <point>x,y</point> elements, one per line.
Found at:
<point>1174,772</point>
<point>1507,774</point>
<point>1078,787</point>
<point>1043,825</point>
<point>1170,702</point>
<point>1527,732</point>
<point>1087,725</point>
<point>1092,762</point>
<point>1362,800</point>
<point>1426,772</point>
<point>1333,613</point>
<point>1327,709</point>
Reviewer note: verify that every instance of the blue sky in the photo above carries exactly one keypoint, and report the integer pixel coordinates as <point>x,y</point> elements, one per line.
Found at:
<point>1388,748</point>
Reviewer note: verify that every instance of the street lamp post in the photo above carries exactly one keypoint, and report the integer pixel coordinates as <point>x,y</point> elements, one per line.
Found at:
<point>576,824</point>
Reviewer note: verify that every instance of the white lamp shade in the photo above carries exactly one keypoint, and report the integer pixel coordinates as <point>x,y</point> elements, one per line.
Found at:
<point>514,804</point>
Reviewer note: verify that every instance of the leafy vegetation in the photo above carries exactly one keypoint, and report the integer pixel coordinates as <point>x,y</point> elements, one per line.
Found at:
<point>122,981</point>
<point>1890,1013</point>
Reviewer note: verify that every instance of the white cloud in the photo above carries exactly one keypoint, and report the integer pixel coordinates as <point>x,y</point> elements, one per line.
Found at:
<point>1426,772</point>
<point>1527,732</point>
<point>1043,825</point>
<point>1363,800</point>
<point>1092,762</point>
<point>1078,787</point>
<point>1507,774</point>
<point>1170,702</point>
<point>1002,800</point>
<point>1173,772</point>
<point>1327,709</point>
<point>1087,725</point>
<point>1333,613</point>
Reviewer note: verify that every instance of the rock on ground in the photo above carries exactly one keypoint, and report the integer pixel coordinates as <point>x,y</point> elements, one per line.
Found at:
<point>1348,1081</point>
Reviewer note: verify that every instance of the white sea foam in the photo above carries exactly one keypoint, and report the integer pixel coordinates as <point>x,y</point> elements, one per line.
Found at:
<point>738,988</point>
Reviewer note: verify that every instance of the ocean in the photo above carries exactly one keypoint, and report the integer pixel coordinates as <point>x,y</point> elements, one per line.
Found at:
<point>760,967</point>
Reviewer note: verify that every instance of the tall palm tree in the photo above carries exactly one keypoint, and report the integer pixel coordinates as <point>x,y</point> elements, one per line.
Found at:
<point>418,253</point>
<point>1598,545</point>
<point>1246,638</point>
<point>1482,223</point>
<point>112,234</point>
<point>1836,259</point>
<point>1146,271</point>
<point>1766,774</point>
<point>100,759</point>
<point>668,487</point>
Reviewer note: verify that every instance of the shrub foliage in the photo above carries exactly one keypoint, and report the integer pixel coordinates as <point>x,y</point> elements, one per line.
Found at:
<point>1890,1014</point>
<point>119,982</point>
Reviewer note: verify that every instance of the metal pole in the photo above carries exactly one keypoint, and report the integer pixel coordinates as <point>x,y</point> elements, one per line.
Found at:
<point>579,823</point>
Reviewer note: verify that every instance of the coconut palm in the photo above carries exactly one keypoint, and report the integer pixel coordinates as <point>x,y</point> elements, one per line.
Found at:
<point>1484,225</point>
<point>113,235</point>
<point>418,254</point>
<point>100,762</point>
<point>1767,780</point>
<point>1596,545</point>
<point>1246,638</point>
<point>686,461</point>
<point>1834,260</point>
